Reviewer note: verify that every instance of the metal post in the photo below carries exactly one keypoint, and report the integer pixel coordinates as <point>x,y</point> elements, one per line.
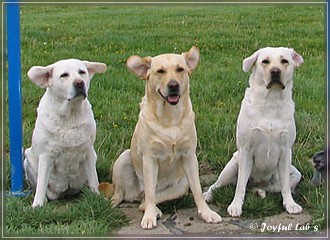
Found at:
<point>14,98</point>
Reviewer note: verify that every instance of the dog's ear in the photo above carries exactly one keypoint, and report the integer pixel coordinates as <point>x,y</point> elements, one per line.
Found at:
<point>192,58</point>
<point>296,57</point>
<point>95,67</point>
<point>249,61</point>
<point>139,66</point>
<point>41,75</point>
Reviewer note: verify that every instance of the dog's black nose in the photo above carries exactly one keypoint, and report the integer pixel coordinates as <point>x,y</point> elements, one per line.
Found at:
<point>173,85</point>
<point>78,83</point>
<point>275,71</point>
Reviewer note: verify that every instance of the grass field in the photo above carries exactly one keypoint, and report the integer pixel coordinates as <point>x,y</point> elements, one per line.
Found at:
<point>225,35</point>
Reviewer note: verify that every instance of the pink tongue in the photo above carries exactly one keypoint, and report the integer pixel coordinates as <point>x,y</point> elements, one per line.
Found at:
<point>173,99</point>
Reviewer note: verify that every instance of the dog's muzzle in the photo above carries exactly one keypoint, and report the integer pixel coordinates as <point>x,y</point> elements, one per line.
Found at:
<point>80,89</point>
<point>173,96</point>
<point>275,74</point>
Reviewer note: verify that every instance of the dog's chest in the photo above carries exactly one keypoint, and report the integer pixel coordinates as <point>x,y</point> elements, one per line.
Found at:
<point>170,151</point>
<point>166,144</point>
<point>265,123</point>
<point>172,146</point>
<point>68,133</point>
<point>272,132</point>
<point>75,136</point>
<point>270,139</point>
<point>273,129</point>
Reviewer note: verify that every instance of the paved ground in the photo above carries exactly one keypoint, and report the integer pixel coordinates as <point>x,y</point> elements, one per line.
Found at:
<point>185,222</point>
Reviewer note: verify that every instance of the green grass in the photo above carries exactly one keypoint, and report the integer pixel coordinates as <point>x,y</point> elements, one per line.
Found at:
<point>88,214</point>
<point>225,36</point>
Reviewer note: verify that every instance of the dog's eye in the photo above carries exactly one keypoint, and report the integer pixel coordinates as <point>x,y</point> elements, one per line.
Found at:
<point>64,75</point>
<point>180,69</point>
<point>265,61</point>
<point>81,72</point>
<point>161,71</point>
<point>284,61</point>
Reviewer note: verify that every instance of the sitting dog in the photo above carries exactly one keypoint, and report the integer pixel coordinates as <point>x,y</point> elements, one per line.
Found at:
<point>161,163</point>
<point>265,131</point>
<point>62,160</point>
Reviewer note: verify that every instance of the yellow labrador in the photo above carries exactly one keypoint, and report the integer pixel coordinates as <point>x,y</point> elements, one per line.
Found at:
<point>161,163</point>
<point>62,160</point>
<point>265,131</point>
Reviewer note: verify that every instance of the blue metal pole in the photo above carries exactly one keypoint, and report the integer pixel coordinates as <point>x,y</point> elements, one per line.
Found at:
<point>14,98</point>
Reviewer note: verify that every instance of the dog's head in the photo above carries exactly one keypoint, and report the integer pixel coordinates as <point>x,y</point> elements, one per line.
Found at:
<point>167,75</point>
<point>67,79</point>
<point>273,66</point>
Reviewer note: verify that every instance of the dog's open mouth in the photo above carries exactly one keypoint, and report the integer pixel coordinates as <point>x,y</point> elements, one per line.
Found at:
<point>172,98</point>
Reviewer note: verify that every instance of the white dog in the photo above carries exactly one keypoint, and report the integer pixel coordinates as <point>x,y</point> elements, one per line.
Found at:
<point>265,131</point>
<point>161,163</point>
<point>62,159</point>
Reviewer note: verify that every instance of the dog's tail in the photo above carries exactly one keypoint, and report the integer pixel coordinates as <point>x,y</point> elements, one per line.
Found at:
<point>106,189</point>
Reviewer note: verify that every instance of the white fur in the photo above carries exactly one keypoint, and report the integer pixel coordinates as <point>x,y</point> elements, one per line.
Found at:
<point>62,159</point>
<point>265,132</point>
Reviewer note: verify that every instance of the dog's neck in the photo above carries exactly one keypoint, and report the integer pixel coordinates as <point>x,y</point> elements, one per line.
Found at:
<point>67,110</point>
<point>265,99</point>
<point>275,92</point>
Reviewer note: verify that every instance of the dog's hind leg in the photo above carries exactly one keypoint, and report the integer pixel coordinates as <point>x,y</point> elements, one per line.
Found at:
<point>31,172</point>
<point>295,177</point>
<point>52,195</point>
<point>227,176</point>
<point>125,180</point>
<point>172,192</point>
<point>30,175</point>
<point>261,192</point>
<point>276,186</point>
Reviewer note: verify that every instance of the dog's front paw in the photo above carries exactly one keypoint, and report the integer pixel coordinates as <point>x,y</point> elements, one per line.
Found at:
<point>39,202</point>
<point>159,213</point>
<point>149,220</point>
<point>210,216</point>
<point>208,196</point>
<point>234,209</point>
<point>293,208</point>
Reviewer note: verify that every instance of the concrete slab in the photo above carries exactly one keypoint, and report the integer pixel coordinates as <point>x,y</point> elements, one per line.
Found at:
<point>187,222</point>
